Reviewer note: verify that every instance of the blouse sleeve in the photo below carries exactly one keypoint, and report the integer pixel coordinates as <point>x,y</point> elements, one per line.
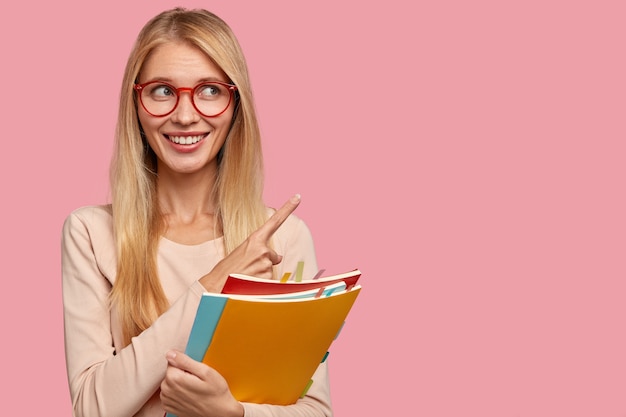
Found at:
<point>103,381</point>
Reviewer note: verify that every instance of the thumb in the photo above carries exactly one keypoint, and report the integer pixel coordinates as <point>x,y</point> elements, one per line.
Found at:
<point>275,258</point>
<point>183,362</point>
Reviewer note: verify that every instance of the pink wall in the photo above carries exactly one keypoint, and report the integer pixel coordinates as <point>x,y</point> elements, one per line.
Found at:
<point>467,156</point>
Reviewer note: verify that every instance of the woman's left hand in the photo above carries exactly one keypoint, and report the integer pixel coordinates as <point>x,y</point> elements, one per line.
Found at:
<point>193,389</point>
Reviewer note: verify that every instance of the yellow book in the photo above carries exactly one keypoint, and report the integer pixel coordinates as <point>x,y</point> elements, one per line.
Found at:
<point>267,347</point>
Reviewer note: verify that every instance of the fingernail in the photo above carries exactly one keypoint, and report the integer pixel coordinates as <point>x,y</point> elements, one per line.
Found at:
<point>170,355</point>
<point>295,198</point>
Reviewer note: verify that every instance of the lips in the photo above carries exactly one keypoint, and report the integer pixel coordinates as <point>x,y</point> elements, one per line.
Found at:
<point>185,140</point>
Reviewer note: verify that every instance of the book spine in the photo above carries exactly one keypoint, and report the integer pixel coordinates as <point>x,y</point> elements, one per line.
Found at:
<point>208,315</point>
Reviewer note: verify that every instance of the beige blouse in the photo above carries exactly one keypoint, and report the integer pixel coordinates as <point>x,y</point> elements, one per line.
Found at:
<point>109,380</point>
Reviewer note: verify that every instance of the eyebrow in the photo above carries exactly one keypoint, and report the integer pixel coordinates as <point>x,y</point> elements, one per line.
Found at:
<point>200,81</point>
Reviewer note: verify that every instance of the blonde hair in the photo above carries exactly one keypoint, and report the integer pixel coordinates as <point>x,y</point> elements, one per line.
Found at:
<point>137,293</point>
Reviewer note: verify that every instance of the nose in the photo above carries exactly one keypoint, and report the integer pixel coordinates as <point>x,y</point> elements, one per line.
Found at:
<point>185,112</point>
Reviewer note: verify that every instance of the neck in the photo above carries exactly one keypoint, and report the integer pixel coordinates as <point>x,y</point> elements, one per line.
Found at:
<point>186,196</point>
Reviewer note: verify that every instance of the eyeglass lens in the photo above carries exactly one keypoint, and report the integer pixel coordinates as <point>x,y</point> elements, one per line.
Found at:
<point>210,99</point>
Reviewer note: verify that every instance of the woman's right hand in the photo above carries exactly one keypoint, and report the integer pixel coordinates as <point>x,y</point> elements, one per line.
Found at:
<point>254,256</point>
<point>191,388</point>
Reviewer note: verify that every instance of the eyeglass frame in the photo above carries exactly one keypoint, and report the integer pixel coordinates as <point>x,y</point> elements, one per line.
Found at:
<point>232,88</point>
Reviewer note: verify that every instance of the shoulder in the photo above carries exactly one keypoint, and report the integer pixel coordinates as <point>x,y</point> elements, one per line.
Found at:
<point>89,218</point>
<point>294,241</point>
<point>88,237</point>
<point>90,228</point>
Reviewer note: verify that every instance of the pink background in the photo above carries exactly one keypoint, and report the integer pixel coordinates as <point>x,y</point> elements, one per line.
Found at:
<point>467,156</point>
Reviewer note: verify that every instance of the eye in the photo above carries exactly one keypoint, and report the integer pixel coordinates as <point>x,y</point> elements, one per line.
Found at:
<point>210,91</point>
<point>161,91</point>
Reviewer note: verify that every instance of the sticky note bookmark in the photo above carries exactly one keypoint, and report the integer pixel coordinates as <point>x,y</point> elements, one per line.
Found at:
<point>299,270</point>
<point>319,274</point>
<point>306,389</point>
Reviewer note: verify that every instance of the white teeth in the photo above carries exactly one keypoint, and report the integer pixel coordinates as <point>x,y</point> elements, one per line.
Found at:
<point>185,140</point>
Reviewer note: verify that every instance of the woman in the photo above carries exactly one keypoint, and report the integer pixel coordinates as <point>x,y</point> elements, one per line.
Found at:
<point>186,210</point>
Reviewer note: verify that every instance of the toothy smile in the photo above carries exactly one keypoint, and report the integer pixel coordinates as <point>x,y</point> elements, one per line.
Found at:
<point>186,140</point>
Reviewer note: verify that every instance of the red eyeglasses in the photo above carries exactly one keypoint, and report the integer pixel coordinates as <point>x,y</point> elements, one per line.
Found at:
<point>210,99</point>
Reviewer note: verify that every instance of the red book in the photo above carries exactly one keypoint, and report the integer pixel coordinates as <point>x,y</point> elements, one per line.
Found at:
<point>245,284</point>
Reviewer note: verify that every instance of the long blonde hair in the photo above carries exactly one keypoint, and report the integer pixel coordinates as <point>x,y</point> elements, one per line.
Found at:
<point>137,293</point>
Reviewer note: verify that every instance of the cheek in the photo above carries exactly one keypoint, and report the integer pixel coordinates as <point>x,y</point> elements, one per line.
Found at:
<point>146,122</point>
<point>226,119</point>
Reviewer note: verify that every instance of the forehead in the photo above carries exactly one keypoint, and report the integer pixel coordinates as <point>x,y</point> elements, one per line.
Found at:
<point>180,63</point>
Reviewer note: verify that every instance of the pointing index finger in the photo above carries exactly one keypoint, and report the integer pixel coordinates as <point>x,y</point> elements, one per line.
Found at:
<point>277,219</point>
